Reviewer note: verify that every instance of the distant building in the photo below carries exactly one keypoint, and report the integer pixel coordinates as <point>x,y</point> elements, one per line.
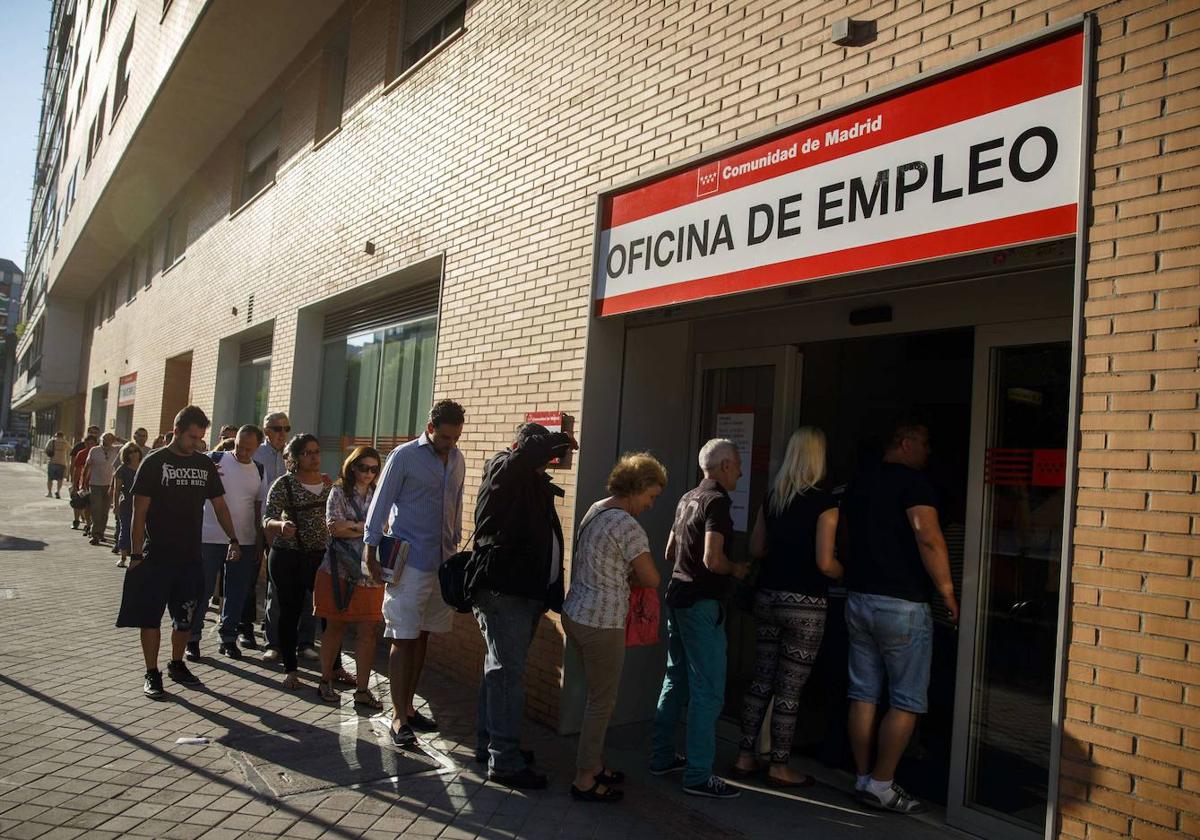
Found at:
<point>11,280</point>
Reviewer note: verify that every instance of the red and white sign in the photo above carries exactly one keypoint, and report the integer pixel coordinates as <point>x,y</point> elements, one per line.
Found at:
<point>553,421</point>
<point>127,390</point>
<point>982,159</point>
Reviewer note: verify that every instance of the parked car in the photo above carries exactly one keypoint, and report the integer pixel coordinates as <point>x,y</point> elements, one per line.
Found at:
<point>14,449</point>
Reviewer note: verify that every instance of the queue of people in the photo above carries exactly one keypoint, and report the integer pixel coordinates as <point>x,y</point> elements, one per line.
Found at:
<point>364,551</point>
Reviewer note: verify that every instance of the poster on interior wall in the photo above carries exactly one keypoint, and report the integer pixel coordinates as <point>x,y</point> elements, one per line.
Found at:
<point>127,390</point>
<point>737,425</point>
<point>982,158</point>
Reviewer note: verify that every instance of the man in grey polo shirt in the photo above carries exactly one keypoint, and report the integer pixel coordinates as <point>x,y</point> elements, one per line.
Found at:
<point>98,472</point>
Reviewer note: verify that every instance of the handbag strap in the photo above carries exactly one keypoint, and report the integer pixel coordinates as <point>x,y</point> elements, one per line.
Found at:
<point>583,527</point>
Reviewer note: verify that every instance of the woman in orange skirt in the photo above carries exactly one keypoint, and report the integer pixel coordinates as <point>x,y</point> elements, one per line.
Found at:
<point>345,591</point>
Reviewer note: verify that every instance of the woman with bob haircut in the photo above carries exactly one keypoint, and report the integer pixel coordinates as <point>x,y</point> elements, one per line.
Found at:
<point>611,552</point>
<point>345,592</point>
<point>794,535</point>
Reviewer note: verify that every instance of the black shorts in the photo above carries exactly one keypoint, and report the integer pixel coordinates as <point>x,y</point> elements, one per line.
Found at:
<point>150,587</point>
<point>55,472</point>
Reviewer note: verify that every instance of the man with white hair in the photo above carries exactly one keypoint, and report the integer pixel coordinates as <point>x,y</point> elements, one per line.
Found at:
<point>701,580</point>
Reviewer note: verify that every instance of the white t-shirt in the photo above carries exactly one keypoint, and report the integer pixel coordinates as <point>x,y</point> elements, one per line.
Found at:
<point>600,567</point>
<point>243,487</point>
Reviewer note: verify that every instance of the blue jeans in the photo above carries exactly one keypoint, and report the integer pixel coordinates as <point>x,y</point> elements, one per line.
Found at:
<point>237,588</point>
<point>696,678</point>
<point>508,623</point>
<point>891,640</point>
<point>124,535</point>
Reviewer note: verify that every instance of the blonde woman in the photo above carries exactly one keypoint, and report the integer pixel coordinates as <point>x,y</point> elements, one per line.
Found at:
<point>794,534</point>
<point>611,552</point>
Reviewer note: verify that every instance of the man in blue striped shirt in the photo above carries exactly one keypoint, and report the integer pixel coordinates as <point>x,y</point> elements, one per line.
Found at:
<point>420,491</point>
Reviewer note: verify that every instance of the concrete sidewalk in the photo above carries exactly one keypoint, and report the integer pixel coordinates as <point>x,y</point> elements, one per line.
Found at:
<point>83,754</point>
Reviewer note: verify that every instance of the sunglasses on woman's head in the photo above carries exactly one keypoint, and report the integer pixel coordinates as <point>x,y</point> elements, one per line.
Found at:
<point>367,468</point>
<point>284,429</point>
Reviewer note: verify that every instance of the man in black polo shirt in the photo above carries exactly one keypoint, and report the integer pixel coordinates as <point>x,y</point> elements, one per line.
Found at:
<point>700,583</point>
<point>897,560</point>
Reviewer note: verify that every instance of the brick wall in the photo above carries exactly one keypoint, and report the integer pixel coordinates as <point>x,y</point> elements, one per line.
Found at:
<point>1131,763</point>
<point>494,152</point>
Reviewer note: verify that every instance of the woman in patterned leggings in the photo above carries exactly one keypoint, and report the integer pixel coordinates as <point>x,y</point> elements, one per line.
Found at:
<point>794,534</point>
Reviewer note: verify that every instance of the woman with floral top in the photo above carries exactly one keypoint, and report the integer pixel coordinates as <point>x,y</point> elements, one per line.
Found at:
<point>294,522</point>
<point>346,592</point>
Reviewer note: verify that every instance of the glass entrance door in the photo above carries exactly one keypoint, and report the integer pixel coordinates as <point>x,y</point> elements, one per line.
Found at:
<point>1009,631</point>
<point>749,397</point>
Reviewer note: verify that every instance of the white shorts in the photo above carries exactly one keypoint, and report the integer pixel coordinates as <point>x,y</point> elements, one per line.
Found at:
<point>414,605</point>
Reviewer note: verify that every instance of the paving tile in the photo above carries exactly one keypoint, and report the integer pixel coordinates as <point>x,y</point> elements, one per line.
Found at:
<point>120,773</point>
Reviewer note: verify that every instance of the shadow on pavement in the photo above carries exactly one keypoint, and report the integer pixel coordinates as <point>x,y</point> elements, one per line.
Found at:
<point>8,543</point>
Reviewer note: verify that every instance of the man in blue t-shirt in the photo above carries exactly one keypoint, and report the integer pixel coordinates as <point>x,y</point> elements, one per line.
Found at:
<point>896,560</point>
<point>701,578</point>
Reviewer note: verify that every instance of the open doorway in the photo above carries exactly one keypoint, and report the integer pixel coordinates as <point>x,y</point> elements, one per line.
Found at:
<point>855,389</point>
<point>177,389</point>
<point>852,389</point>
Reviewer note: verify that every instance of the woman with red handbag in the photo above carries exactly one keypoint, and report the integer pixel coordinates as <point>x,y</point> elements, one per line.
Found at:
<point>612,552</point>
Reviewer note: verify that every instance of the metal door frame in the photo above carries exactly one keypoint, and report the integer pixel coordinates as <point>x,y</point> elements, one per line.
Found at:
<point>988,338</point>
<point>788,362</point>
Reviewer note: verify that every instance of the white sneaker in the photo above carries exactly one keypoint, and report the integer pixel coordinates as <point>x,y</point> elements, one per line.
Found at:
<point>309,652</point>
<point>895,799</point>
<point>271,655</point>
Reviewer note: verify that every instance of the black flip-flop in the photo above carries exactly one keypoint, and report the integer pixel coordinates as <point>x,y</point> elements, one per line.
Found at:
<point>610,777</point>
<point>592,795</point>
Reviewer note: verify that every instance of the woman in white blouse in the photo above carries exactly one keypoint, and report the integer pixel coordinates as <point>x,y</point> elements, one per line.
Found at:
<point>611,552</point>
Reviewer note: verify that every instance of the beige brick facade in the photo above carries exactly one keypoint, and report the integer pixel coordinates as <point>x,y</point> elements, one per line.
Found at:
<point>493,153</point>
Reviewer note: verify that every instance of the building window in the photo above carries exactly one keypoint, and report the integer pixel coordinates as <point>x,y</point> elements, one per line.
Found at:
<point>175,240</point>
<point>100,117</point>
<point>112,297</point>
<point>261,160</point>
<point>83,83</point>
<point>150,241</point>
<point>375,388</point>
<point>333,84</point>
<point>131,278</point>
<point>422,25</point>
<point>253,386</point>
<point>106,15</point>
<point>121,88</point>
<point>96,132</point>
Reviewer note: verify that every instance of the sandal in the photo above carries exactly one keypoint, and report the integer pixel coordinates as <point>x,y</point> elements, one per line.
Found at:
<point>291,681</point>
<point>744,773</point>
<point>325,692</point>
<point>609,778</point>
<point>780,784</point>
<point>592,794</point>
<point>364,697</point>
<point>343,677</point>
